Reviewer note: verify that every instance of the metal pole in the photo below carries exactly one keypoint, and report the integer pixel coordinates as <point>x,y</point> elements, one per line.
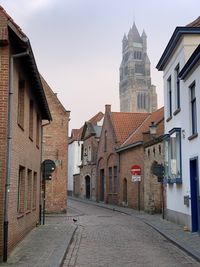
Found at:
<point>163,204</point>
<point>138,195</point>
<point>44,193</point>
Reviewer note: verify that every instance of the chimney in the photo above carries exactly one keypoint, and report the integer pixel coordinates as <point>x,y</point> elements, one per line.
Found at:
<point>107,108</point>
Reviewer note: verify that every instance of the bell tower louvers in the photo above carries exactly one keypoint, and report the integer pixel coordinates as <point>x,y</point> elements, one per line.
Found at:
<point>137,94</point>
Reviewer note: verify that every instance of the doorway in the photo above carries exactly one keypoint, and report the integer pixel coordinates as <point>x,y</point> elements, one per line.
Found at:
<point>125,191</point>
<point>195,199</point>
<point>87,187</point>
<point>101,185</point>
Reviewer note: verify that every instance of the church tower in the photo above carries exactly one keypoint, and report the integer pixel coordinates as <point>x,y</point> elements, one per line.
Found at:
<point>137,94</point>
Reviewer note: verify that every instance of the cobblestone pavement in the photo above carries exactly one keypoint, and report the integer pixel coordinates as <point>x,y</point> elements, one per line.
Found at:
<point>111,239</point>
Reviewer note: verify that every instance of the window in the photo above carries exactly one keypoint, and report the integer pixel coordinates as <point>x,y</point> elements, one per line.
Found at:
<point>21,92</point>
<point>31,120</point>
<point>28,190</point>
<point>137,55</point>
<point>81,151</point>
<point>169,97</point>
<point>110,179</point>
<point>173,156</point>
<point>177,86</point>
<point>34,190</point>
<point>105,141</point>
<point>38,131</point>
<point>115,187</point>
<point>89,154</point>
<point>193,110</point>
<point>21,190</point>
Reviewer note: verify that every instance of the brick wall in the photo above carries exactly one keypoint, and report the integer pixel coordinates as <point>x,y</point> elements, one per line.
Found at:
<point>135,190</point>
<point>107,157</point>
<point>4,63</point>
<point>55,147</point>
<point>27,154</point>
<point>153,153</point>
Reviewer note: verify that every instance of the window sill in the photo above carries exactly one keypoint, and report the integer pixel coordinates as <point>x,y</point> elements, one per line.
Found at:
<point>177,111</point>
<point>21,127</point>
<point>169,118</point>
<point>34,208</point>
<point>20,215</point>
<point>192,136</point>
<point>174,180</point>
<point>28,211</point>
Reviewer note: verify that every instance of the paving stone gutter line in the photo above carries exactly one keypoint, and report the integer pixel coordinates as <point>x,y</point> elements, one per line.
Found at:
<point>187,241</point>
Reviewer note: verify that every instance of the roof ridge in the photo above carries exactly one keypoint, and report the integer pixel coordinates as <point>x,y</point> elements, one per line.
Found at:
<point>137,129</point>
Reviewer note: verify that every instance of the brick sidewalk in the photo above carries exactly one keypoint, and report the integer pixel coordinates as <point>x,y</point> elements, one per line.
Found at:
<point>44,246</point>
<point>187,241</point>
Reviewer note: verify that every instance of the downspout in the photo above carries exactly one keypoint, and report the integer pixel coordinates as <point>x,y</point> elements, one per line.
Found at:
<point>9,153</point>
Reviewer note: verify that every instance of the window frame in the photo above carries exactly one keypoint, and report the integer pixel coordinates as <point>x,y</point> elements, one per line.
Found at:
<point>21,103</point>
<point>169,144</point>
<point>177,87</point>
<point>193,109</point>
<point>21,190</point>
<point>169,97</point>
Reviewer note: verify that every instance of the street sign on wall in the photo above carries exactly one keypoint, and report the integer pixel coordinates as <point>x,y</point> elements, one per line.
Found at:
<point>136,170</point>
<point>136,178</point>
<point>136,173</point>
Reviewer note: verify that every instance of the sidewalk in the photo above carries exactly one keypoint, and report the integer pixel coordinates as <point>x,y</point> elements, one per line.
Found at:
<point>187,241</point>
<point>46,245</point>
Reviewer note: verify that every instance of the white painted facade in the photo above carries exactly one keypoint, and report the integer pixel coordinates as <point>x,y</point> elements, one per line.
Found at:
<point>74,159</point>
<point>177,211</point>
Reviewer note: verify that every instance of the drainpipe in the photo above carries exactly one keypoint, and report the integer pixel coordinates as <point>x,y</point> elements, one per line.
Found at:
<point>9,153</point>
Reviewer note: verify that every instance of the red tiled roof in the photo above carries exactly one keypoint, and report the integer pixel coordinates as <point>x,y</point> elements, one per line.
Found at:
<point>137,135</point>
<point>125,123</point>
<point>195,23</point>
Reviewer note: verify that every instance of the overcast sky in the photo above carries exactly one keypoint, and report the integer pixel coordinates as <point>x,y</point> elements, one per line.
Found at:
<point>77,44</point>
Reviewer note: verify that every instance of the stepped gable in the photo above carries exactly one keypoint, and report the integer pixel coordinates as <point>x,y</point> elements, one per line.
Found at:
<point>77,133</point>
<point>125,123</point>
<point>137,134</point>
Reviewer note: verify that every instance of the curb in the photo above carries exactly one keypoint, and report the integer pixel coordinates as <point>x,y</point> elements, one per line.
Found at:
<point>61,261</point>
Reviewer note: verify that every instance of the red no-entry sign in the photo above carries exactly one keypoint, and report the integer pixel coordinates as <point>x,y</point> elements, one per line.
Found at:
<point>136,170</point>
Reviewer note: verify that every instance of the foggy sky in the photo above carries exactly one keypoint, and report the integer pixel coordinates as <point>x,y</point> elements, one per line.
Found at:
<point>77,44</point>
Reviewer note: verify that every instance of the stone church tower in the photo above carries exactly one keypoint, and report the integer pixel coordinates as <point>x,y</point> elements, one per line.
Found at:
<point>137,94</point>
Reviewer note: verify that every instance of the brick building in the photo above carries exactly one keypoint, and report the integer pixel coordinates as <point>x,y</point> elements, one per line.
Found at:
<point>76,155</point>
<point>55,147</point>
<point>117,127</point>
<point>131,152</point>
<point>23,107</point>
<point>90,137</point>
<point>154,189</point>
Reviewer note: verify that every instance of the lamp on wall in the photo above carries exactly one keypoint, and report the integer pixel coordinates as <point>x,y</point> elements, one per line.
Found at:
<point>153,128</point>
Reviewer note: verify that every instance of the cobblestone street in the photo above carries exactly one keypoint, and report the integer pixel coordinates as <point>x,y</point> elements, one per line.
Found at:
<point>109,238</point>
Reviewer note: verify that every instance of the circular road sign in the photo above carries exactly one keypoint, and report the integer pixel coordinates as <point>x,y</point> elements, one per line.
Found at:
<point>136,170</point>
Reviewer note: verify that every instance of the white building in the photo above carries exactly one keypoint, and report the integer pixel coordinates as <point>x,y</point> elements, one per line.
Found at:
<point>180,64</point>
<point>74,158</point>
